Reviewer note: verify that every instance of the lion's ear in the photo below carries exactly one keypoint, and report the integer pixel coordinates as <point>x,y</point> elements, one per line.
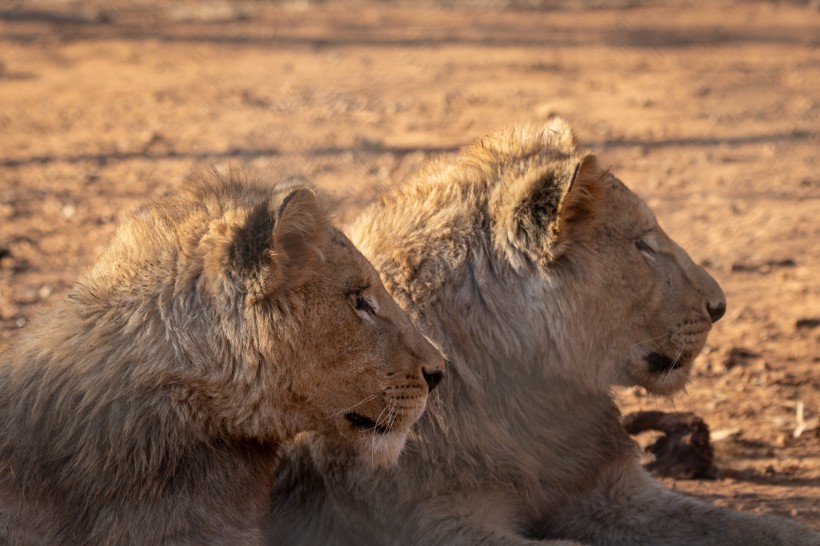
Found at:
<point>300,232</point>
<point>277,245</point>
<point>583,196</point>
<point>535,204</point>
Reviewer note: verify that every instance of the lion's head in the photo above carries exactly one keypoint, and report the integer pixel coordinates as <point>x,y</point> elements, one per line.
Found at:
<point>552,255</point>
<point>639,303</point>
<point>261,319</point>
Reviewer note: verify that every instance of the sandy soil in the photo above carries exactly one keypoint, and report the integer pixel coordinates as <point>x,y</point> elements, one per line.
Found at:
<point>709,110</point>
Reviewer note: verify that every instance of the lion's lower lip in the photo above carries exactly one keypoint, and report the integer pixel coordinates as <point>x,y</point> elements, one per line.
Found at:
<point>365,423</point>
<point>659,363</point>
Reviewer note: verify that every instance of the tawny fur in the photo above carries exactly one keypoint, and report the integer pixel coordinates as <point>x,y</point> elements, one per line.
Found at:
<point>147,408</point>
<point>546,281</point>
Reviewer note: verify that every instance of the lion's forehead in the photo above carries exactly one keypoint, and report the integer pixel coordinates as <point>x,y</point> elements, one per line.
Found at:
<point>629,208</point>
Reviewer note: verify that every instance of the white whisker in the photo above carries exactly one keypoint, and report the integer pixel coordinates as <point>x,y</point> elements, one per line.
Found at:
<point>373,445</point>
<point>359,403</point>
<point>674,363</point>
<point>666,335</point>
<point>391,418</point>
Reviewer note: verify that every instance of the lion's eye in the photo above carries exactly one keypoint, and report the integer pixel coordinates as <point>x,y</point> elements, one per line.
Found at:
<point>361,303</point>
<point>643,246</point>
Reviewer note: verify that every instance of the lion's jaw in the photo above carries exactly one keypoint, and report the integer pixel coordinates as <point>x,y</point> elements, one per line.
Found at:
<point>603,348</point>
<point>381,449</point>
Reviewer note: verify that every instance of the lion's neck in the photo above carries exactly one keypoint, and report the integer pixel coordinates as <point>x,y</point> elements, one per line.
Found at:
<point>505,324</point>
<point>516,383</point>
<point>517,430</point>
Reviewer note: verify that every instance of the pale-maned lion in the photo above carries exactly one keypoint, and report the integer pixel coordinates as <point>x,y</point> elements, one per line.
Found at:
<point>147,407</point>
<point>546,281</point>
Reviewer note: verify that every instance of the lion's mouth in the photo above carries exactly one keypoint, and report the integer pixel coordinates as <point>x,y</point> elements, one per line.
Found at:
<point>359,421</point>
<point>660,363</point>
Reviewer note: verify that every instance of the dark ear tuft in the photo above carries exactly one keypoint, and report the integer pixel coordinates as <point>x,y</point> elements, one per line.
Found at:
<point>274,248</point>
<point>531,210</point>
<point>537,211</point>
<point>250,250</point>
<point>526,208</point>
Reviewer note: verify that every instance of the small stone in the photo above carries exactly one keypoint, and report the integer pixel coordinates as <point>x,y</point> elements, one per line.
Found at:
<point>68,211</point>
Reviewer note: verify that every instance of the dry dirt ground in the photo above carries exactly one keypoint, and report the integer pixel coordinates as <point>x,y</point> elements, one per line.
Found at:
<point>709,110</point>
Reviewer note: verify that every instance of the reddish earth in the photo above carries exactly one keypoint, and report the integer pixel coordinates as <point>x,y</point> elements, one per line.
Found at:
<point>709,110</point>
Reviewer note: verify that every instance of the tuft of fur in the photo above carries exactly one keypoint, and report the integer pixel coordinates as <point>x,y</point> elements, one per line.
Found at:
<point>546,281</point>
<point>148,406</point>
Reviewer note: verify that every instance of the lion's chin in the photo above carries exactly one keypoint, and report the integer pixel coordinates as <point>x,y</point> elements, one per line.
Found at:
<point>669,381</point>
<point>381,449</point>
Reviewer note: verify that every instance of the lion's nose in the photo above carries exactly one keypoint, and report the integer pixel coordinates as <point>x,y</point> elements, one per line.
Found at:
<point>432,377</point>
<point>716,311</point>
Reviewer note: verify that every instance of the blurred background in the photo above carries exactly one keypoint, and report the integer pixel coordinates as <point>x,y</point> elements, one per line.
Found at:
<point>710,110</point>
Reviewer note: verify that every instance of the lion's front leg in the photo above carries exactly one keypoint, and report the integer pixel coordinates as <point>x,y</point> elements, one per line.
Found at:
<point>485,518</point>
<point>469,532</point>
<point>397,520</point>
<point>629,507</point>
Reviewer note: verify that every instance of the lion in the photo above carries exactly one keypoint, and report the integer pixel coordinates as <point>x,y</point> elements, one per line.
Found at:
<point>149,405</point>
<point>546,282</point>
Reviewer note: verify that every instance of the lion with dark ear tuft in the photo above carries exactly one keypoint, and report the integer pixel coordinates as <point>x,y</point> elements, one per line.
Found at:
<point>148,407</point>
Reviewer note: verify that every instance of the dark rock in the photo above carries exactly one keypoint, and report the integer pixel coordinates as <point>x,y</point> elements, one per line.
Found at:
<point>807,323</point>
<point>683,452</point>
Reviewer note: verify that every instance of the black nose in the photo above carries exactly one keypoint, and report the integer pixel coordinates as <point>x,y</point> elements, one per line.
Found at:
<point>717,311</point>
<point>433,378</point>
